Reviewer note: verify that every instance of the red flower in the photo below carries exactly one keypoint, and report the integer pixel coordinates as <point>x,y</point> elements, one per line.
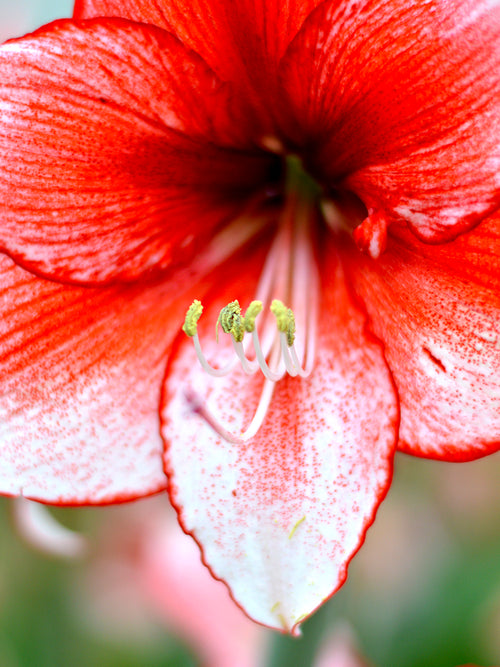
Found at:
<point>145,164</point>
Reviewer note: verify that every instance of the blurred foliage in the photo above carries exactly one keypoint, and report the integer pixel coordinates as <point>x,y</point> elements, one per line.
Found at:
<point>41,619</point>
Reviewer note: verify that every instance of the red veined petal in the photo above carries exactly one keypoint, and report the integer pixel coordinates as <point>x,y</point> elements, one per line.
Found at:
<point>248,36</point>
<point>80,380</point>
<point>120,157</point>
<point>438,311</point>
<point>279,517</point>
<point>400,102</point>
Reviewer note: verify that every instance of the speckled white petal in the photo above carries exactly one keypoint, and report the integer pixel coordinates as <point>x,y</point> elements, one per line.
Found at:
<point>80,380</point>
<point>279,517</point>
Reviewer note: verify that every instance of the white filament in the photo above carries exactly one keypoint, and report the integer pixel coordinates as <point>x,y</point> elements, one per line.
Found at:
<point>289,273</point>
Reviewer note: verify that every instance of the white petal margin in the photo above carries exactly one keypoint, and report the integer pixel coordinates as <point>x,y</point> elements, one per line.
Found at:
<point>42,531</point>
<point>279,517</point>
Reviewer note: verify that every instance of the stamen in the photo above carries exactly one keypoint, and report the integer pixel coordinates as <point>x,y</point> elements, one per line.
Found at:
<point>190,329</point>
<point>211,370</point>
<point>273,376</point>
<point>231,321</point>
<point>291,368</point>
<point>289,272</point>
<point>251,313</point>
<point>198,406</point>
<point>284,319</point>
<point>249,367</point>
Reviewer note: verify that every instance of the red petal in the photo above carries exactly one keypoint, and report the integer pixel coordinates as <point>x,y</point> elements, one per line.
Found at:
<point>437,309</point>
<point>80,378</point>
<point>114,158</point>
<point>248,36</point>
<point>280,517</point>
<point>401,104</point>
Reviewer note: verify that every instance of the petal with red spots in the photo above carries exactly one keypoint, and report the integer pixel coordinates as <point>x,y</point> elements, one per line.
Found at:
<point>280,516</point>
<point>437,310</point>
<point>80,380</point>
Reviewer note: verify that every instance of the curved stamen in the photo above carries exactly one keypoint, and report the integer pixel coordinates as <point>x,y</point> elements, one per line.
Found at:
<point>292,363</point>
<point>211,370</point>
<point>289,272</point>
<point>190,329</point>
<point>248,365</point>
<point>275,375</point>
<point>198,406</point>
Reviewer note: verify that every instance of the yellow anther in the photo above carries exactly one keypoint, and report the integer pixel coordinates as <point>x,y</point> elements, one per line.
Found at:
<point>231,321</point>
<point>280,312</point>
<point>251,313</point>
<point>285,320</point>
<point>192,316</point>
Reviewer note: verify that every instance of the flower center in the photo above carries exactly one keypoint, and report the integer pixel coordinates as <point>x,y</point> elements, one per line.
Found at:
<point>277,333</point>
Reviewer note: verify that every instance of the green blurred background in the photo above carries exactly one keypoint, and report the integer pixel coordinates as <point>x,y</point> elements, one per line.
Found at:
<point>424,591</point>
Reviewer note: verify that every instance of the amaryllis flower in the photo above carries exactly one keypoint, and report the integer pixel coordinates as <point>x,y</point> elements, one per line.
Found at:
<point>321,177</point>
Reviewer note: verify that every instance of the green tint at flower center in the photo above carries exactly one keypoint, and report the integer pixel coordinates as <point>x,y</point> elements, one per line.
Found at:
<point>298,181</point>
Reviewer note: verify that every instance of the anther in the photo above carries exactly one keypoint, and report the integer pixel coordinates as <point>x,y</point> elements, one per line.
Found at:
<point>251,313</point>
<point>285,320</point>
<point>192,316</point>
<point>190,328</point>
<point>231,321</point>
